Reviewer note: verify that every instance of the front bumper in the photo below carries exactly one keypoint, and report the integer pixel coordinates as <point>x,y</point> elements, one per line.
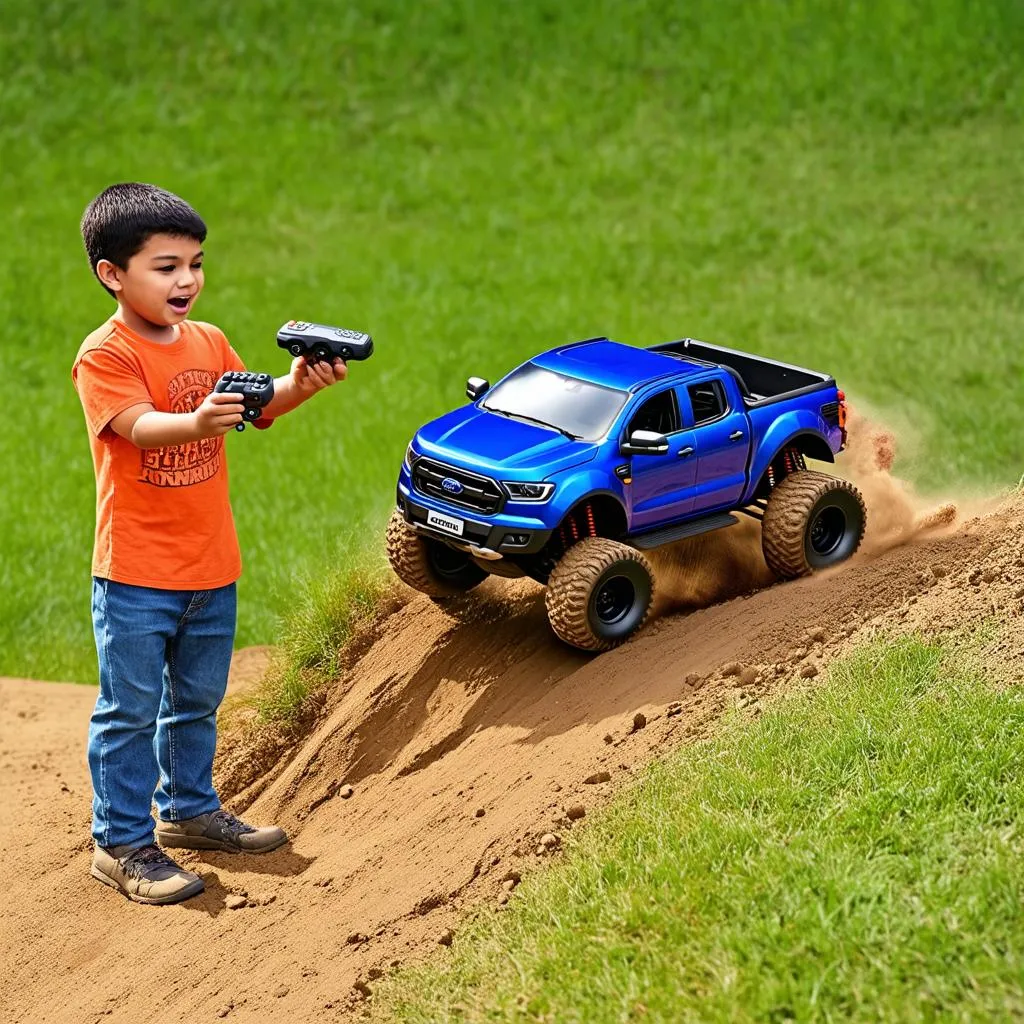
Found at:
<point>498,535</point>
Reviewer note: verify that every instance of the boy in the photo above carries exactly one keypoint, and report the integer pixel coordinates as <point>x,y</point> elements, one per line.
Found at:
<point>166,556</point>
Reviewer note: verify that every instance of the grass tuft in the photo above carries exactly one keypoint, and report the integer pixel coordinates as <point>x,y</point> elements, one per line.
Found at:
<point>332,610</point>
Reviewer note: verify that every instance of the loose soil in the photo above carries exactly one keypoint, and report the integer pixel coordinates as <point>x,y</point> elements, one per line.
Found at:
<point>452,756</point>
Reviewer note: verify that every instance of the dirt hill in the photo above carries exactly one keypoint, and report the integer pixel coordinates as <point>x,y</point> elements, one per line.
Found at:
<point>465,735</point>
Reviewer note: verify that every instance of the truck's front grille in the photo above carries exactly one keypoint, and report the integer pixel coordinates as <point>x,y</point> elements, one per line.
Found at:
<point>465,489</point>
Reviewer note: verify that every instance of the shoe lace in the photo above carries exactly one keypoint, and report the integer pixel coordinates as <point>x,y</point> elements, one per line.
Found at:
<point>136,863</point>
<point>230,825</point>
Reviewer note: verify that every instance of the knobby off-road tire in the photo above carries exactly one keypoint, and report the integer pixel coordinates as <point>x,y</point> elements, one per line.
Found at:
<point>812,521</point>
<point>427,565</point>
<point>599,594</point>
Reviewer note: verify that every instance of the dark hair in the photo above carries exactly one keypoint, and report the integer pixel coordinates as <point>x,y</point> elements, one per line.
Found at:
<point>122,218</point>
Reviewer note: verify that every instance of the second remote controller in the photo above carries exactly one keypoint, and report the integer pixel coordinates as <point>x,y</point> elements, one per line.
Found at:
<point>322,343</point>
<point>255,390</point>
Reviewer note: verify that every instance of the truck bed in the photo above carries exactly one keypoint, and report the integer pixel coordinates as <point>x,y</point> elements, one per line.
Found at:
<point>762,381</point>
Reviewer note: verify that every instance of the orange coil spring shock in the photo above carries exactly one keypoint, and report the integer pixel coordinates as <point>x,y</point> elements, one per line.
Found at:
<point>591,525</point>
<point>562,537</point>
<point>573,528</point>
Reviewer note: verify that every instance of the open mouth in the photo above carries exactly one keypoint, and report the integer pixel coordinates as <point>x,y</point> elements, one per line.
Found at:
<point>180,302</point>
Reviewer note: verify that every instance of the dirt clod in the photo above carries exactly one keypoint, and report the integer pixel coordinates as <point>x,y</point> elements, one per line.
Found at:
<point>429,903</point>
<point>639,722</point>
<point>549,840</point>
<point>733,668</point>
<point>575,812</point>
<point>345,792</point>
<point>808,671</point>
<point>281,991</point>
<point>479,812</point>
<point>235,902</point>
<point>597,778</point>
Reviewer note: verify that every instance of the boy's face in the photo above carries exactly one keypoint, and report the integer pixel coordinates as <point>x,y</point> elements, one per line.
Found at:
<point>162,280</point>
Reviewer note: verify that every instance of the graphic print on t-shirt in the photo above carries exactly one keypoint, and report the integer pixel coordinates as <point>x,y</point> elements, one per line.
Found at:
<point>181,465</point>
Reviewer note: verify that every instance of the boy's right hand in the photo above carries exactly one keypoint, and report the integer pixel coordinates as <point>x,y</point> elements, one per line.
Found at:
<point>218,414</point>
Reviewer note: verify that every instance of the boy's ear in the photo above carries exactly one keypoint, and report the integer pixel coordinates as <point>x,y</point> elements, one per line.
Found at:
<point>109,275</point>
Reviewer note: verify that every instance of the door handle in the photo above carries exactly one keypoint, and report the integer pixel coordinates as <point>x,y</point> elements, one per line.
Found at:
<point>736,435</point>
<point>684,452</point>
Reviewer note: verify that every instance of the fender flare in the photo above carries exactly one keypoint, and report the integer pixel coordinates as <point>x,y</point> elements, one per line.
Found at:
<point>807,439</point>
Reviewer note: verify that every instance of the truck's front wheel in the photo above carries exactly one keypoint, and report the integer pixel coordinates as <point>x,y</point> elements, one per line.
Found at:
<point>428,565</point>
<point>812,521</point>
<point>599,594</point>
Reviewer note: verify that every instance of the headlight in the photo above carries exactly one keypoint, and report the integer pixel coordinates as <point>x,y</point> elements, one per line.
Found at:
<point>410,455</point>
<point>528,492</point>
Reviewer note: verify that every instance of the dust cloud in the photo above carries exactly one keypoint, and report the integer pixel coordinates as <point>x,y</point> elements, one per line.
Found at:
<point>727,563</point>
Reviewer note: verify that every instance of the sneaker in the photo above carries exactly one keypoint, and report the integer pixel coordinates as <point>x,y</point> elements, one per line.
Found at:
<point>144,874</point>
<point>220,830</point>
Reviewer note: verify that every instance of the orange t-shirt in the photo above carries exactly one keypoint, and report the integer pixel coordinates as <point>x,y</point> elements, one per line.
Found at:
<point>163,516</point>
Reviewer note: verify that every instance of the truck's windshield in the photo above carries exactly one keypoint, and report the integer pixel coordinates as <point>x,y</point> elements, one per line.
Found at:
<point>568,404</point>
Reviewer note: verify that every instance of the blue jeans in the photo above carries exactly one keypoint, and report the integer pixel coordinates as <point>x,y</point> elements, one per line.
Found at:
<point>164,657</point>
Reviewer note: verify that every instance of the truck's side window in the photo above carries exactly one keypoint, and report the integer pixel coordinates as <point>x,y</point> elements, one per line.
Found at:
<point>708,401</point>
<point>660,414</point>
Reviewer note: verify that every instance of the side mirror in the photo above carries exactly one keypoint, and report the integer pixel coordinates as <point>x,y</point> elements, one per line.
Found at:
<point>477,387</point>
<point>644,442</point>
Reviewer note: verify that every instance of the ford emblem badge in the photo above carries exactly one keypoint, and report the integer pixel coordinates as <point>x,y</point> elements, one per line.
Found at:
<point>451,486</point>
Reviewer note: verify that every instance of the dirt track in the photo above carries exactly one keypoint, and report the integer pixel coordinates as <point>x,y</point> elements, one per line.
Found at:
<point>464,740</point>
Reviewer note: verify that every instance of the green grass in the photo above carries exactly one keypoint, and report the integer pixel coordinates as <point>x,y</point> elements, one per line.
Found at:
<point>854,854</point>
<point>332,609</point>
<point>830,183</point>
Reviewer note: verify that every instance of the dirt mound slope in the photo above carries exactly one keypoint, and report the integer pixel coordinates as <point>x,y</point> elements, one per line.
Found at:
<point>441,758</point>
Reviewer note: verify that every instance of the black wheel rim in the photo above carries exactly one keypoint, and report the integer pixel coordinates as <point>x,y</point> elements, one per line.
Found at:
<point>619,600</point>
<point>834,529</point>
<point>827,530</point>
<point>614,600</point>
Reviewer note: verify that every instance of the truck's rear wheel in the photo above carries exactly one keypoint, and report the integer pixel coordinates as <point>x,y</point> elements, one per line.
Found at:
<point>599,594</point>
<point>428,565</point>
<point>812,521</point>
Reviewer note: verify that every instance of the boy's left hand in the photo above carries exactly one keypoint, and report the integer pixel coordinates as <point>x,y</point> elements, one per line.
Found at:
<point>310,378</point>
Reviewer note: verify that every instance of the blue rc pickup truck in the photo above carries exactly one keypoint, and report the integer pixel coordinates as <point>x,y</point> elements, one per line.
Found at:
<point>585,457</point>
